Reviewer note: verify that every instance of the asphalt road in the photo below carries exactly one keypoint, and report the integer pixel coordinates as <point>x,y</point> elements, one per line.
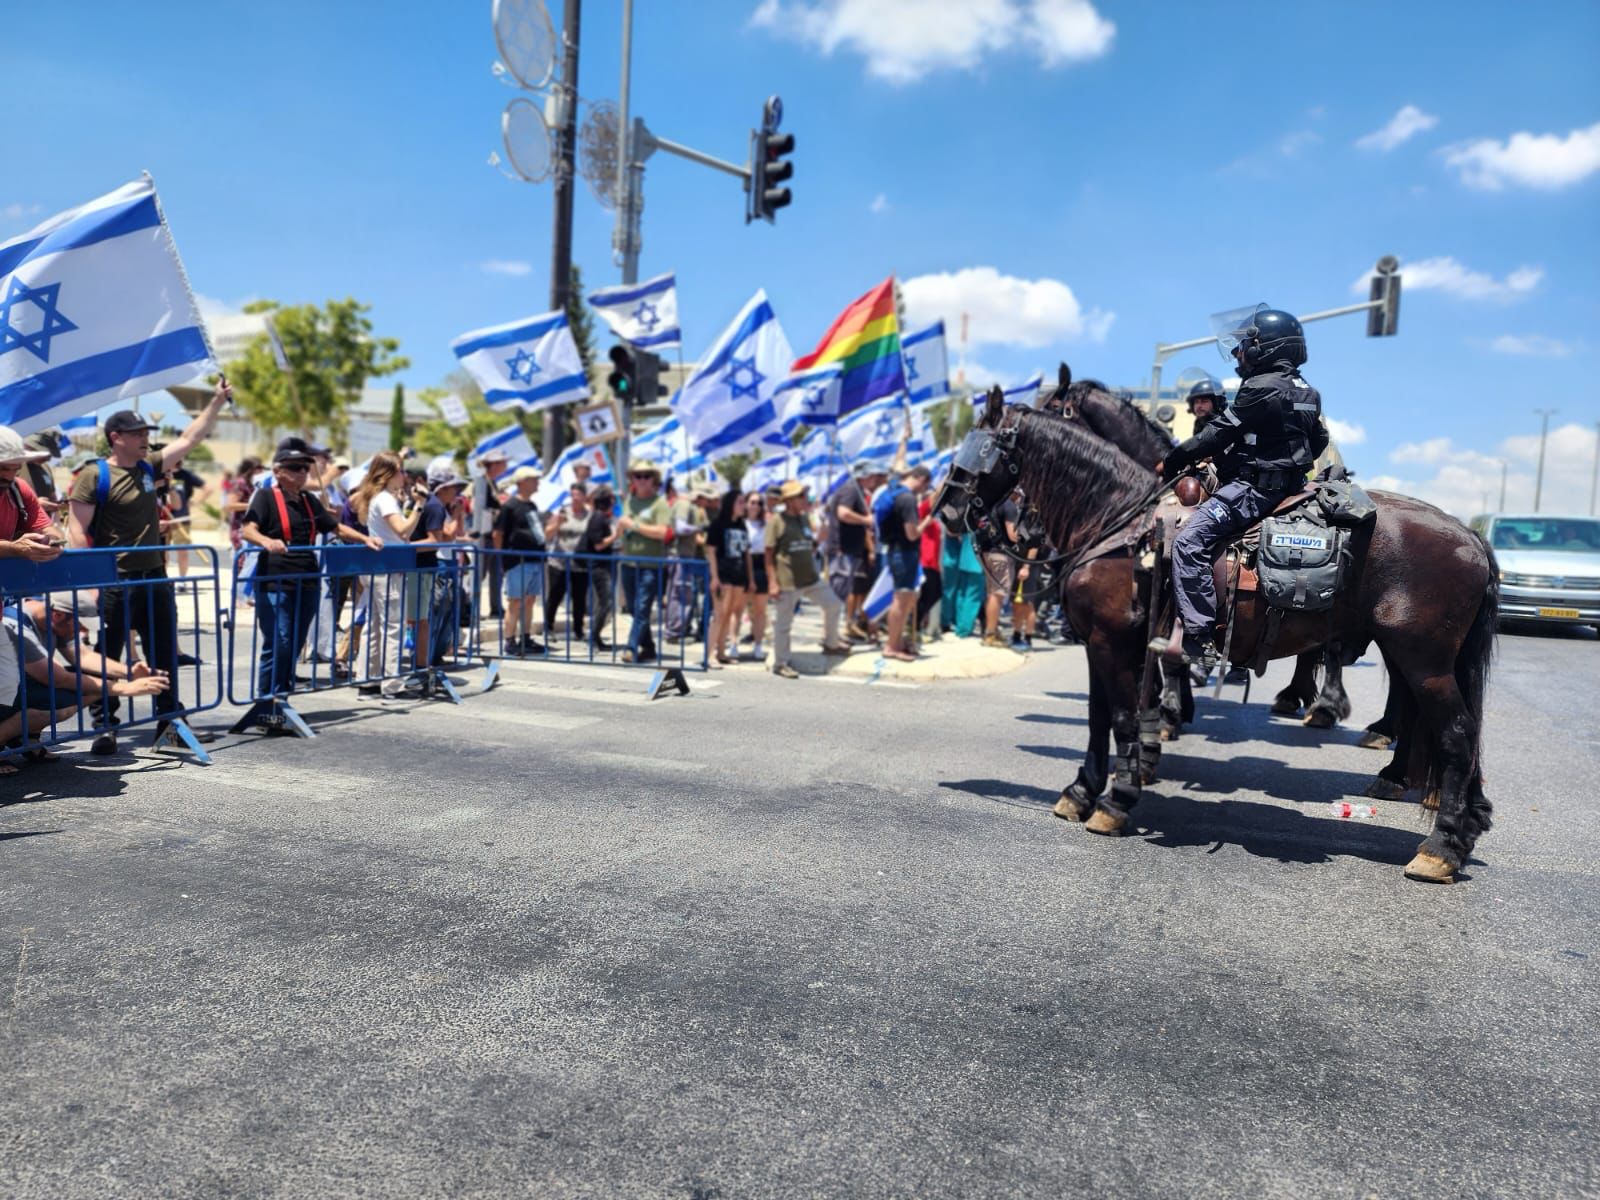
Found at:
<point>799,939</point>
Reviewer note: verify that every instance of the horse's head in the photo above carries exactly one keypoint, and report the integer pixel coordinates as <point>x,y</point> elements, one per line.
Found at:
<point>984,471</point>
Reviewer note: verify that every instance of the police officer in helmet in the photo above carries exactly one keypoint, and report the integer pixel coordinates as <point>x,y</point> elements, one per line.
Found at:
<point>1206,401</point>
<point>1269,439</point>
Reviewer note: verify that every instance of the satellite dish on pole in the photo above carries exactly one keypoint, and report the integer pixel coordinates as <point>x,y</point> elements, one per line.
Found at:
<point>598,146</point>
<point>527,140</point>
<point>526,40</point>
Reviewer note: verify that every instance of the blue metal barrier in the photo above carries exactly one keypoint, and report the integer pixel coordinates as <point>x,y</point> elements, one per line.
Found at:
<point>398,610</point>
<point>144,625</point>
<point>601,592</point>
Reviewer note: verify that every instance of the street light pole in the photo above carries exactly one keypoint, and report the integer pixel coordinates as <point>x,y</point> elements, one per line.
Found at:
<point>565,172</point>
<point>1544,432</point>
<point>1594,471</point>
<point>1502,507</point>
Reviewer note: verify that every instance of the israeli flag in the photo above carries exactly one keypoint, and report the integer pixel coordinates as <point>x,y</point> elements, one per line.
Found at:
<point>667,445</point>
<point>769,472</point>
<point>874,432</point>
<point>820,465</point>
<point>513,441</point>
<point>939,464</point>
<point>727,404</point>
<point>95,309</point>
<point>927,364</point>
<point>74,426</point>
<point>922,441</point>
<point>1025,393</point>
<point>530,364</point>
<point>554,489</point>
<point>810,397</point>
<point>882,592</point>
<point>645,314</point>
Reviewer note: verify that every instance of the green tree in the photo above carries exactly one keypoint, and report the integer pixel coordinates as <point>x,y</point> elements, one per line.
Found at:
<point>332,354</point>
<point>581,320</point>
<point>397,418</point>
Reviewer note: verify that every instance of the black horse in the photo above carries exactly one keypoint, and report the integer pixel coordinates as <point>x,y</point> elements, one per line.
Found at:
<point>1425,592</point>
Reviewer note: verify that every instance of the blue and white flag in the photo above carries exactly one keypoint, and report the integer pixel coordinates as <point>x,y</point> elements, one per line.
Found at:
<point>727,404</point>
<point>922,441</point>
<point>939,464</point>
<point>667,445</point>
<point>820,465</point>
<point>77,426</point>
<point>645,314</point>
<point>874,432</point>
<point>1026,392</point>
<point>927,364</point>
<point>554,488</point>
<point>529,364</point>
<point>810,397</point>
<point>512,441</point>
<point>882,592</point>
<point>95,308</point>
<point>769,472</point>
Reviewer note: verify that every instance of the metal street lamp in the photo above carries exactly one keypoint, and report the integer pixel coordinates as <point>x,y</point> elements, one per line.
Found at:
<point>1544,432</point>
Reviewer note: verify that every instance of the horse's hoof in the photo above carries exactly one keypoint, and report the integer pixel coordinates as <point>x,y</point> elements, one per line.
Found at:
<point>1430,868</point>
<point>1284,707</point>
<point>1384,789</point>
<point>1370,740</point>
<point>1105,823</point>
<point>1431,801</point>
<point>1319,718</point>
<point>1069,809</point>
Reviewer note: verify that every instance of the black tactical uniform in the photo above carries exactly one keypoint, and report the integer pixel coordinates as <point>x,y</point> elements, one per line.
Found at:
<point>1275,431</point>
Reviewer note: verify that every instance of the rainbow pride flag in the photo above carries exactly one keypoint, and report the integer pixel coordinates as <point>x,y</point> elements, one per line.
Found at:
<point>863,344</point>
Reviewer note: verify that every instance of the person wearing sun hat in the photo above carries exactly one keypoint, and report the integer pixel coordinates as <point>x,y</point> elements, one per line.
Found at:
<point>647,533</point>
<point>791,555</point>
<point>519,538</point>
<point>25,528</point>
<point>486,488</point>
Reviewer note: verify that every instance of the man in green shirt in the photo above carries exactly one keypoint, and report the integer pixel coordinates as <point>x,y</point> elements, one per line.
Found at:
<point>646,528</point>
<point>127,513</point>
<point>791,555</point>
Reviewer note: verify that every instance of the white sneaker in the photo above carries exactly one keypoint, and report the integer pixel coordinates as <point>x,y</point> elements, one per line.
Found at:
<point>758,652</point>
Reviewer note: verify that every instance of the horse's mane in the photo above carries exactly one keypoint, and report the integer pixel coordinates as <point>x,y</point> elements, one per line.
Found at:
<point>1082,485</point>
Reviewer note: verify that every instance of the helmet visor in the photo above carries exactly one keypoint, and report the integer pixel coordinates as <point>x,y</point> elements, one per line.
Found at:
<point>1235,326</point>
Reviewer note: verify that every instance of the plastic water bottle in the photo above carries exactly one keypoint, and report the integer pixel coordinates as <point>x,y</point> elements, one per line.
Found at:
<point>1344,810</point>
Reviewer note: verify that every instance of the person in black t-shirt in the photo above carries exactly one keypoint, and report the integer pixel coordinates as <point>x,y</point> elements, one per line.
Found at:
<point>728,553</point>
<point>601,538</point>
<point>284,520</point>
<point>520,528</point>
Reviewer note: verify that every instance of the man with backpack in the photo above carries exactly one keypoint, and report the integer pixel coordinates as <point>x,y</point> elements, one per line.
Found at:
<point>900,534</point>
<point>113,503</point>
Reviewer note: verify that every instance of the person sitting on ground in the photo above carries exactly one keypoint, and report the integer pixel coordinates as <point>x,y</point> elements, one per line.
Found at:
<point>283,521</point>
<point>792,573</point>
<point>728,561</point>
<point>519,537</point>
<point>60,674</point>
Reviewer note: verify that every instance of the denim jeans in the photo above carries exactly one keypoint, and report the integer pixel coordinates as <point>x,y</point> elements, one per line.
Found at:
<point>641,583</point>
<point>285,613</point>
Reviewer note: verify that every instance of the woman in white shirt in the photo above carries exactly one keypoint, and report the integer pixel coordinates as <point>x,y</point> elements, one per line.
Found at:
<point>755,523</point>
<point>377,503</point>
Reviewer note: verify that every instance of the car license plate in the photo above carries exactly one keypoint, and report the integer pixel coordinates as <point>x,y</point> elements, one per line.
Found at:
<point>1569,613</point>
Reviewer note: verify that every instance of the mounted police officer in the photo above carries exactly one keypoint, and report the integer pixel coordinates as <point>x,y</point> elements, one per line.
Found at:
<point>1274,430</point>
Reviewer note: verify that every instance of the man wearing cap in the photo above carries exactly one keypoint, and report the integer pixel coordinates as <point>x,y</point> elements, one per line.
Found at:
<point>41,629</point>
<point>25,529</point>
<point>848,566</point>
<point>791,555</point>
<point>485,513</point>
<point>519,539</point>
<point>646,526</point>
<point>126,514</point>
<point>283,521</point>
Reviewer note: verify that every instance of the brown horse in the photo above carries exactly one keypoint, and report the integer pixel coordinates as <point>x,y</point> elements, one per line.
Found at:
<point>1425,590</point>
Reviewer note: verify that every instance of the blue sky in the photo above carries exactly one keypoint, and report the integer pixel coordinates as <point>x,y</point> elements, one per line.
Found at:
<point>1086,180</point>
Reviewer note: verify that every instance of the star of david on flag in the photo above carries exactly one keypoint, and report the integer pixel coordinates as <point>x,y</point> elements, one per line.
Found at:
<point>727,404</point>
<point>530,364</point>
<point>94,308</point>
<point>644,314</point>
<point>874,432</point>
<point>927,366</point>
<point>810,397</point>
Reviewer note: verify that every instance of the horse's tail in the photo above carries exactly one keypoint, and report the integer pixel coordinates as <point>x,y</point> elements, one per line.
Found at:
<point>1472,680</point>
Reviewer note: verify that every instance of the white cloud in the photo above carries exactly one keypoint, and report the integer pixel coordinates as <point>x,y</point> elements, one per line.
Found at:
<point>1446,275</point>
<point>1346,433</point>
<point>16,210</point>
<point>1401,127</point>
<point>903,40</point>
<point>1301,139</point>
<point>1466,482</point>
<point>505,266</point>
<point>879,205</point>
<point>1533,345</point>
<point>1003,310</point>
<point>1535,160</point>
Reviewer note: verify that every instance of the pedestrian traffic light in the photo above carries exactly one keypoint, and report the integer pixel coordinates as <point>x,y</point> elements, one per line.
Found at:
<point>624,377</point>
<point>1383,319</point>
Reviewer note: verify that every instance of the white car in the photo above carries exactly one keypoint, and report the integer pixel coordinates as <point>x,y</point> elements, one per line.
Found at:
<point>1549,566</point>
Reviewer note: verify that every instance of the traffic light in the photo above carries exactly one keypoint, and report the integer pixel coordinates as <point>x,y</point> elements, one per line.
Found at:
<point>624,377</point>
<point>650,387</point>
<point>769,170</point>
<point>1383,320</point>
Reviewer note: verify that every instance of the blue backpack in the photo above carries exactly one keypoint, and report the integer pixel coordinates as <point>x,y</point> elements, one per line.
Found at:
<point>883,511</point>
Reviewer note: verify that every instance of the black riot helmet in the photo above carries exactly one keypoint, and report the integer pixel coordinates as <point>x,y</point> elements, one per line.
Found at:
<point>1260,337</point>
<point>1208,389</point>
